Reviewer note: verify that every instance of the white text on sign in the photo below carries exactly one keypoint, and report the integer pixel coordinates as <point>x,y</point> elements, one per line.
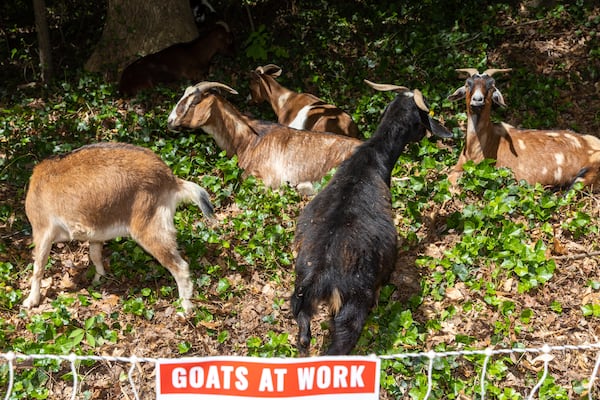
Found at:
<point>257,378</point>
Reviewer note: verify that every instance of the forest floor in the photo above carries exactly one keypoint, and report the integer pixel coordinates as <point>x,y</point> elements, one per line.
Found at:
<point>244,315</point>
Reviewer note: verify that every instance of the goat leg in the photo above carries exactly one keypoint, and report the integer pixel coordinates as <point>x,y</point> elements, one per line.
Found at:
<point>304,335</point>
<point>40,258</point>
<point>96,257</point>
<point>303,311</point>
<point>347,326</point>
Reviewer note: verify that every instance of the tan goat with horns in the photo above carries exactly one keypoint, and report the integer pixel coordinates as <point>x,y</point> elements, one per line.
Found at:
<point>274,153</point>
<point>556,158</point>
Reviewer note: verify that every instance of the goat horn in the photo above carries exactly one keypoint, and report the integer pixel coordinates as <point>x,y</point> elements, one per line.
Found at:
<point>384,87</point>
<point>204,86</point>
<point>492,71</point>
<point>224,25</point>
<point>470,71</point>
<point>419,101</point>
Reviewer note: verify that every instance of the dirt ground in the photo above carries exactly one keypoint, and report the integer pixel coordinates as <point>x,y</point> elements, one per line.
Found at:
<point>244,315</point>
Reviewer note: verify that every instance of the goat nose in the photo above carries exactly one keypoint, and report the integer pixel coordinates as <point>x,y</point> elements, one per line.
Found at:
<point>170,123</point>
<point>477,100</point>
<point>171,119</point>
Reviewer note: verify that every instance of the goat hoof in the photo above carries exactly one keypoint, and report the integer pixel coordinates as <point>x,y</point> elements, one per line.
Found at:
<point>302,351</point>
<point>188,307</point>
<point>30,302</point>
<point>303,344</point>
<point>305,189</point>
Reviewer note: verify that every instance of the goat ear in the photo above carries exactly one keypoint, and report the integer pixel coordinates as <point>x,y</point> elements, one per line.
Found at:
<point>497,98</point>
<point>438,129</point>
<point>270,69</point>
<point>420,101</point>
<point>275,72</point>
<point>458,94</point>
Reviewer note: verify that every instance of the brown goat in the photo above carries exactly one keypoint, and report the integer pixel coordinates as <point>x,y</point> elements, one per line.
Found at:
<point>556,158</point>
<point>274,153</point>
<point>298,110</point>
<point>189,60</point>
<point>103,191</point>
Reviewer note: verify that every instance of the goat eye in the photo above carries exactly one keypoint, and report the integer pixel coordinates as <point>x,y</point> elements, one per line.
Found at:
<point>195,101</point>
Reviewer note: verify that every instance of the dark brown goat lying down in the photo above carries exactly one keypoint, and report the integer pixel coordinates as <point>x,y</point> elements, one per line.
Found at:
<point>345,237</point>
<point>189,60</point>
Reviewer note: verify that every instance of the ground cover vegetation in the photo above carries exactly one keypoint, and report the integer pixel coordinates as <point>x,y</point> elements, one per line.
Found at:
<point>501,264</point>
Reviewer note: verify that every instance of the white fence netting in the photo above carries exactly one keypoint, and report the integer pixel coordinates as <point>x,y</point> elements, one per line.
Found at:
<point>544,353</point>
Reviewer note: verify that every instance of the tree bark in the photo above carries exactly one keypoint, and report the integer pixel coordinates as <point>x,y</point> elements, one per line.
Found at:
<point>41,26</point>
<point>135,28</point>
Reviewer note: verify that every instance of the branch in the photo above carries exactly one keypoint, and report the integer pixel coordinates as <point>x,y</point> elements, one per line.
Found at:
<point>578,256</point>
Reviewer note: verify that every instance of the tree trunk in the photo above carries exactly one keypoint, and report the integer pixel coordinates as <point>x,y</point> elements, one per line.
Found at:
<point>135,28</point>
<point>41,26</point>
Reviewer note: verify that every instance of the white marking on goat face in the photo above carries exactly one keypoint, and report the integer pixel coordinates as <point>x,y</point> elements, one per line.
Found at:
<point>172,116</point>
<point>477,97</point>
<point>560,158</point>
<point>180,109</point>
<point>299,121</point>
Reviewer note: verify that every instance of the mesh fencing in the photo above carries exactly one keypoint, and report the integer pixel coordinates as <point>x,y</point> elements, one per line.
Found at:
<point>544,353</point>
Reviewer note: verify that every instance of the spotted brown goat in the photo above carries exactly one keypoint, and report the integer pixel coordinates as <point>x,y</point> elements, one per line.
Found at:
<point>189,60</point>
<point>554,158</point>
<point>298,110</point>
<point>346,237</point>
<point>274,153</point>
<point>102,191</point>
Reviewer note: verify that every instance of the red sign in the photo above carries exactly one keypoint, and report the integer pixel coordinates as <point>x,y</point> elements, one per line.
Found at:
<point>246,378</point>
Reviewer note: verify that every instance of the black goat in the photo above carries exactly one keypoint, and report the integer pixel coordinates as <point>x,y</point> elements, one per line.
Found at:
<point>345,237</point>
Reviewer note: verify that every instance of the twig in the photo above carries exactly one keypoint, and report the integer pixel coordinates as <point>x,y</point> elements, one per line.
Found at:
<point>578,256</point>
<point>250,18</point>
<point>525,23</point>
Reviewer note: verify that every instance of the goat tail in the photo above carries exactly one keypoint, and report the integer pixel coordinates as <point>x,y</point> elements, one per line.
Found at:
<point>190,191</point>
